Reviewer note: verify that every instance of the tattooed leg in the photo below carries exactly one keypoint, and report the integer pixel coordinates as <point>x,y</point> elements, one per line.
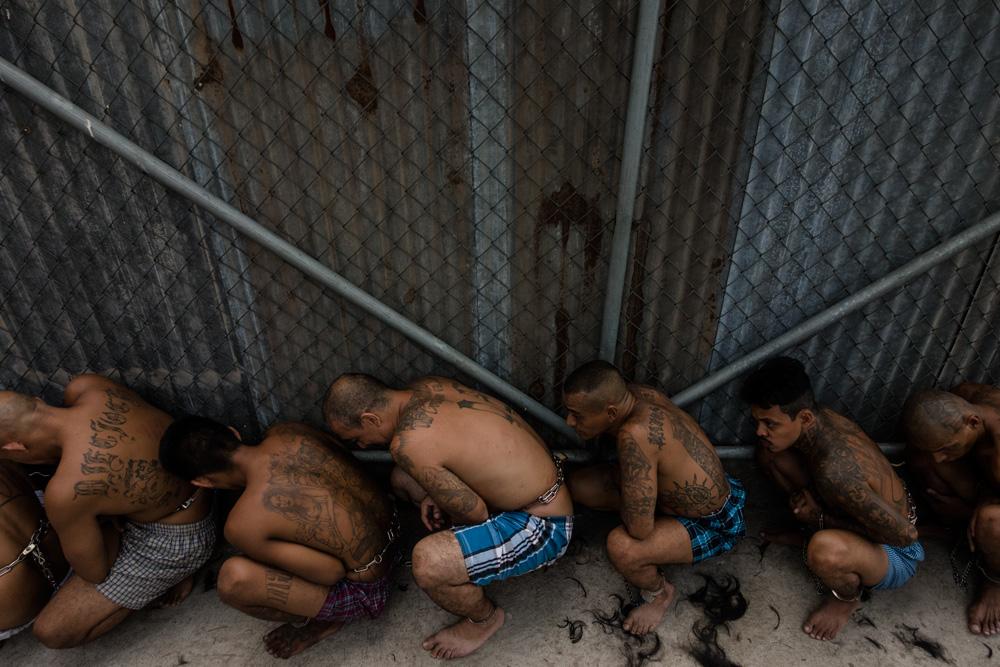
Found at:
<point>844,562</point>
<point>274,595</point>
<point>637,561</point>
<point>984,613</point>
<point>439,569</point>
<point>596,487</point>
<point>405,487</point>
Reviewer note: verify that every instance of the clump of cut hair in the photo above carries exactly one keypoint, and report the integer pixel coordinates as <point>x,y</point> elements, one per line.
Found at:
<point>930,412</point>
<point>780,381</point>
<point>601,382</point>
<point>15,412</point>
<point>352,394</point>
<point>195,446</point>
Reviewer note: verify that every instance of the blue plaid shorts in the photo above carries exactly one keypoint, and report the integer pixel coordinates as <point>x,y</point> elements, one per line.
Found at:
<point>717,533</point>
<point>903,563</point>
<point>511,544</point>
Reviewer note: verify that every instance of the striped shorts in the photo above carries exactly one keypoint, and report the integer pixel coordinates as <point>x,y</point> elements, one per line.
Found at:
<point>717,533</point>
<point>511,544</point>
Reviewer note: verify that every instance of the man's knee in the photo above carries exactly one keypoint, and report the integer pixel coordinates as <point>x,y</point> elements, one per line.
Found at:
<point>827,551</point>
<point>428,564</point>
<point>53,634</point>
<point>987,526</point>
<point>236,579</point>
<point>622,549</point>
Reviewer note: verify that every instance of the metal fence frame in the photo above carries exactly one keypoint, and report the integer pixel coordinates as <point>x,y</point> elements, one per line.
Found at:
<point>637,118</point>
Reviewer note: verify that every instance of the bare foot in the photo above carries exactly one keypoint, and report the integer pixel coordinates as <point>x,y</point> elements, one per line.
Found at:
<point>288,640</point>
<point>643,619</point>
<point>984,613</point>
<point>778,535</point>
<point>829,618</point>
<point>462,638</point>
<point>174,595</point>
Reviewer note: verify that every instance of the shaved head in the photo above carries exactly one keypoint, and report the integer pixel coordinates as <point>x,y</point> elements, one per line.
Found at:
<point>931,416</point>
<point>352,394</point>
<point>15,413</point>
<point>600,382</point>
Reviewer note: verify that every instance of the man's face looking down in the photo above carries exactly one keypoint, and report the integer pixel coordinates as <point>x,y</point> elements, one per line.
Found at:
<point>775,430</point>
<point>583,418</point>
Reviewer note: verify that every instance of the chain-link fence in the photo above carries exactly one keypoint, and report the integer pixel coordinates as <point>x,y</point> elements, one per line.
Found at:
<point>460,162</point>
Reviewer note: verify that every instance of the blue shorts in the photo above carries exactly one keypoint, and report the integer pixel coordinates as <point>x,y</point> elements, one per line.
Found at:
<point>902,565</point>
<point>717,533</point>
<point>511,544</point>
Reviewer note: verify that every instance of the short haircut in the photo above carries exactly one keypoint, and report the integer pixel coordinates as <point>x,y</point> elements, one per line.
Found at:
<point>599,380</point>
<point>15,410</point>
<point>780,381</point>
<point>196,446</point>
<point>352,394</point>
<point>931,412</point>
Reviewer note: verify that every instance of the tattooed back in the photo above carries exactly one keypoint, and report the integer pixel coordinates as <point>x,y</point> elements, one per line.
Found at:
<point>306,489</point>
<point>478,439</point>
<point>690,479</point>
<point>110,456</point>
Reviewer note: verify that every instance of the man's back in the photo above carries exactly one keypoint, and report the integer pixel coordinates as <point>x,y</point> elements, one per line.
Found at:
<point>481,441</point>
<point>110,456</point>
<point>308,490</point>
<point>690,477</point>
<point>844,453</point>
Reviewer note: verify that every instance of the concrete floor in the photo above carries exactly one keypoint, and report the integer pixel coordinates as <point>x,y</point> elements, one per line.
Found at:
<point>205,632</point>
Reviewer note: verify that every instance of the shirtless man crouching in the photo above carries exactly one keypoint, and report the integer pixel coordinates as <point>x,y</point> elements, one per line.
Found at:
<point>677,504</point>
<point>316,532</point>
<point>31,563</point>
<point>953,442</point>
<point>130,531</point>
<point>840,485</point>
<point>468,459</point>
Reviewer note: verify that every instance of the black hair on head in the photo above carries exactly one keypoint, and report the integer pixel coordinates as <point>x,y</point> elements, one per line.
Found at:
<point>352,394</point>
<point>196,446</point>
<point>780,381</point>
<point>593,377</point>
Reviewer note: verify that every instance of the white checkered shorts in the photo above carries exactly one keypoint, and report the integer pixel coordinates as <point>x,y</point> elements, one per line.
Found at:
<point>154,557</point>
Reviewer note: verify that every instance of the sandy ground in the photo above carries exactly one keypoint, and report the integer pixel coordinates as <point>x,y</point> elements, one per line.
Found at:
<point>780,593</point>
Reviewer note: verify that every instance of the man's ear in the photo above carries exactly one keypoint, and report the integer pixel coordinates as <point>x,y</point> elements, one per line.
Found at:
<point>612,412</point>
<point>973,421</point>
<point>371,419</point>
<point>807,417</point>
<point>14,446</point>
<point>202,482</point>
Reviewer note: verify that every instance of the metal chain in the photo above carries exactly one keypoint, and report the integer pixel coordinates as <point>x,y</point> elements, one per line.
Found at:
<point>34,551</point>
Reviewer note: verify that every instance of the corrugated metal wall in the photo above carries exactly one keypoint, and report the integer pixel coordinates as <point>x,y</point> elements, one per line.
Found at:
<point>459,160</point>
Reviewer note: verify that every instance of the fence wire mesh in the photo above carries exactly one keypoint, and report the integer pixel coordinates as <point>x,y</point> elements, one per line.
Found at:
<point>460,162</point>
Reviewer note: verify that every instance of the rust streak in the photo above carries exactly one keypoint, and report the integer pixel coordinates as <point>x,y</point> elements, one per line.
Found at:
<point>362,89</point>
<point>237,35</point>
<point>420,12</point>
<point>327,21</point>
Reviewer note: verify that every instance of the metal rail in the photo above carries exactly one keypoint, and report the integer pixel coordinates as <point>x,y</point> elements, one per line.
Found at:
<point>628,181</point>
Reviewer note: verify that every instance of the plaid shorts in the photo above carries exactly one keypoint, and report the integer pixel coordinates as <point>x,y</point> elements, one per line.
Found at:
<point>510,544</point>
<point>154,557</point>
<point>350,600</point>
<point>717,533</point>
<point>903,563</point>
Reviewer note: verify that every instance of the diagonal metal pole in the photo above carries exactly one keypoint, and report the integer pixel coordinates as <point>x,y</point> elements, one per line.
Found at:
<point>628,181</point>
<point>172,179</point>
<point>893,280</point>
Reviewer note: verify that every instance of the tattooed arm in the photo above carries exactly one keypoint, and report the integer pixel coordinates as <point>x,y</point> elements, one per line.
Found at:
<point>862,510</point>
<point>445,489</point>
<point>638,483</point>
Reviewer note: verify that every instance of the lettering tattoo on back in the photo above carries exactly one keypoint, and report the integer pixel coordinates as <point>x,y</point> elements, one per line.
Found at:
<point>655,428</point>
<point>140,481</point>
<point>638,496</point>
<point>321,496</point>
